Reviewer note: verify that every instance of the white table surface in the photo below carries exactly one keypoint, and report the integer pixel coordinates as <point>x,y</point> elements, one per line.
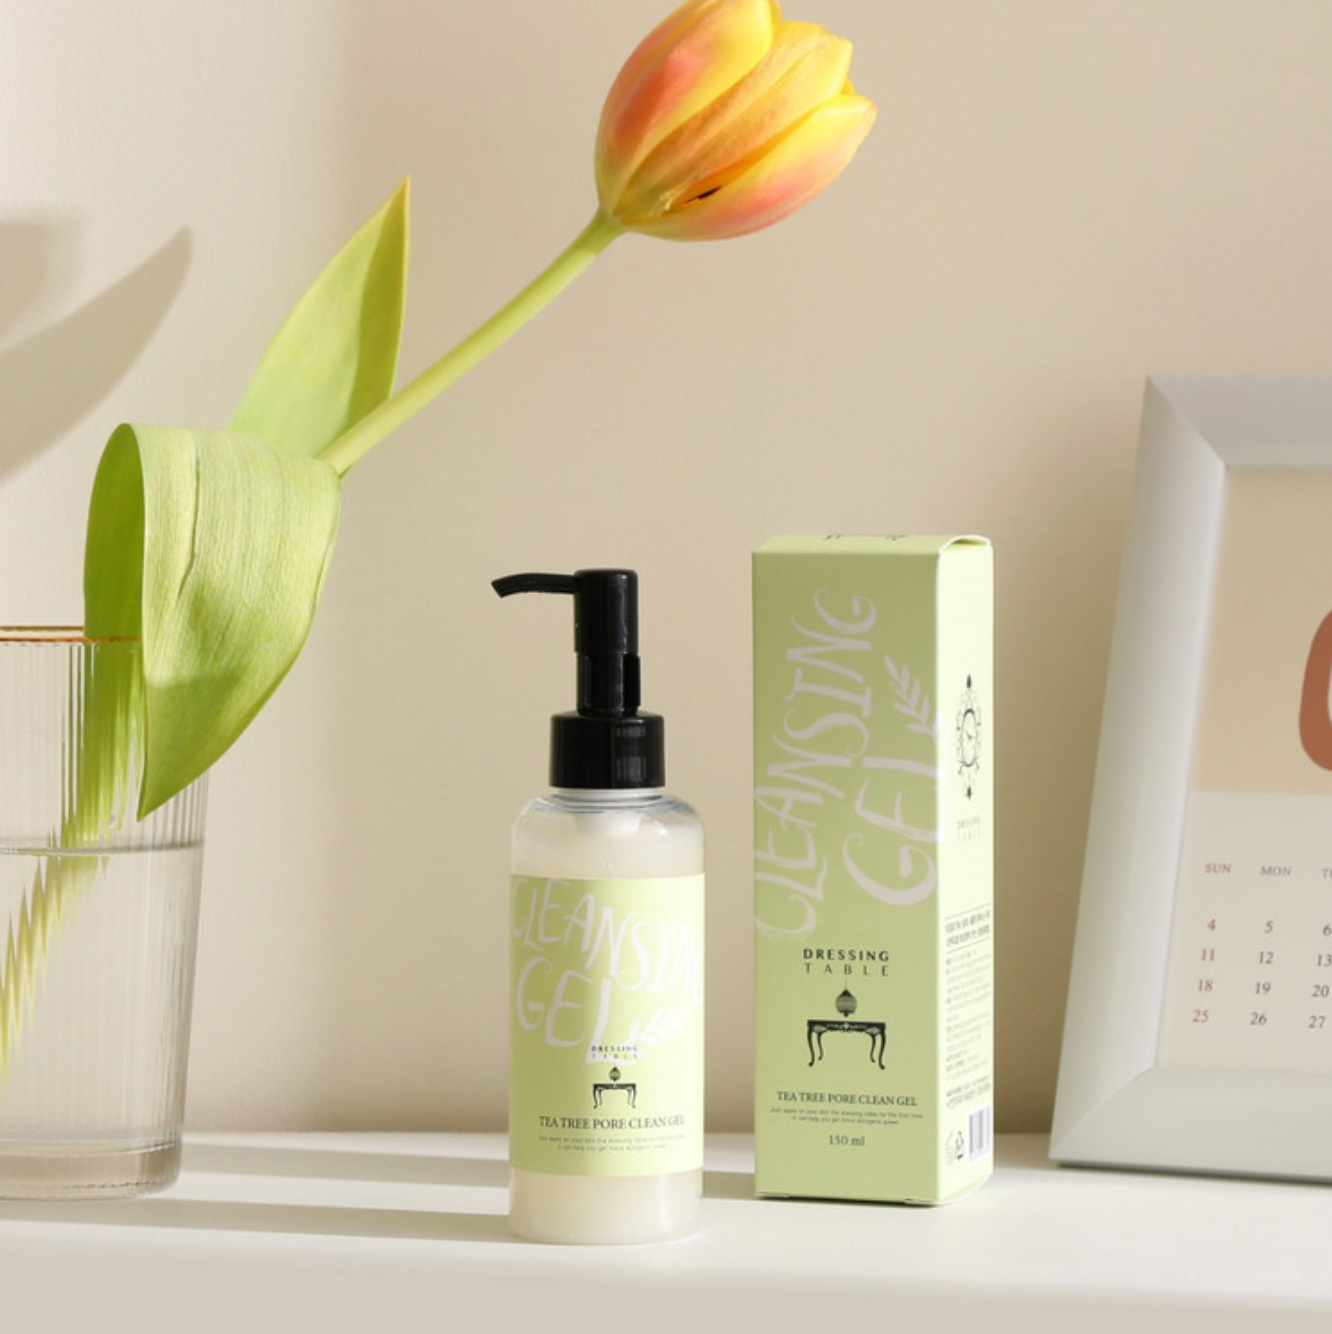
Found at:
<point>383,1233</point>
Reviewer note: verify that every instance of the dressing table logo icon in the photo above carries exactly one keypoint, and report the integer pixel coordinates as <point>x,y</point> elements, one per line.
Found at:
<point>876,1030</point>
<point>600,1090</point>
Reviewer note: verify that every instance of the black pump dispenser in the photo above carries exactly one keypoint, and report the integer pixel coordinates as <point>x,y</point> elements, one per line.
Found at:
<point>606,742</point>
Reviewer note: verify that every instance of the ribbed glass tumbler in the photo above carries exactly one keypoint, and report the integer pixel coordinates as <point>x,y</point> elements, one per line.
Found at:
<point>99,912</point>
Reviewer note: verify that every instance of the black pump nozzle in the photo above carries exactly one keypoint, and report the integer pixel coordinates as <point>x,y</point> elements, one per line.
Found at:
<point>605,633</point>
<point>606,743</point>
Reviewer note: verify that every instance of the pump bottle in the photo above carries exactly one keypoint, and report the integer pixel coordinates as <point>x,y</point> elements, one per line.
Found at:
<point>606,984</point>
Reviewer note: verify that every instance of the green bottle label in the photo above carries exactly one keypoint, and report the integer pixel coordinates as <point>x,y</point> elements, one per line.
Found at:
<point>606,1028</point>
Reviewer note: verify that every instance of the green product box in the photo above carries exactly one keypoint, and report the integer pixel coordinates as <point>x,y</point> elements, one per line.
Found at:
<point>873,867</point>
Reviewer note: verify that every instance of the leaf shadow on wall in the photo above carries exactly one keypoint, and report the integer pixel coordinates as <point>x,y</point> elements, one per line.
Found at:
<point>51,380</point>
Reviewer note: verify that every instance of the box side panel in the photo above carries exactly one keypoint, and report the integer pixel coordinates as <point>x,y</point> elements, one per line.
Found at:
<point>966,868</point>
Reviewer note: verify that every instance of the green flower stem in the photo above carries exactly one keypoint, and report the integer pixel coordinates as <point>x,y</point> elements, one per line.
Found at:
<point>412,397</point>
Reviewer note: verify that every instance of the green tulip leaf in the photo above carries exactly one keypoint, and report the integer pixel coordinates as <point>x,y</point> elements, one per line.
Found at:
<point>334,357</point>
<point>214,547</point>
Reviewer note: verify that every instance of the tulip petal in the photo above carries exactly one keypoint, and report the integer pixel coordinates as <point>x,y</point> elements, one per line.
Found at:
<point>805,68</point>
<point>789,174</point>
<point>682,66</point>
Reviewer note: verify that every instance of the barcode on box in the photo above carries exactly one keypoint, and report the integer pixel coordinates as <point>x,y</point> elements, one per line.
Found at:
<point>980,1133</point>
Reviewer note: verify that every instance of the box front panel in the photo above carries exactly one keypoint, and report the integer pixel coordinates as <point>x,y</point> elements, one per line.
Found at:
<point>849,759</point>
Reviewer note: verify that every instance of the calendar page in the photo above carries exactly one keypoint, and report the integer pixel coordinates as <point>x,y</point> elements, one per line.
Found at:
<point>1250,979</point>
<point>1249,976</point>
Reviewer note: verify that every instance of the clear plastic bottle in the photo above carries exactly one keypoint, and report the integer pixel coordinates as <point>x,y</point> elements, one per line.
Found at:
<point>606,1071</point>
<point>606,835</point>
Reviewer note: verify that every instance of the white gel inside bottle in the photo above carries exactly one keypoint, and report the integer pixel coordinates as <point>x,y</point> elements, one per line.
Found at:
<point>590,835</point>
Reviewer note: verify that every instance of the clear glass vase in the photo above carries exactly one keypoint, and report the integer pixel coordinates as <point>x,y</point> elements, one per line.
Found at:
<point>99,912</point>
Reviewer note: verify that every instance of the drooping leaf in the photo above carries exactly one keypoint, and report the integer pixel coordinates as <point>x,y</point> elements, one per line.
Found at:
<point>334,357</point>
<point>215,547</point>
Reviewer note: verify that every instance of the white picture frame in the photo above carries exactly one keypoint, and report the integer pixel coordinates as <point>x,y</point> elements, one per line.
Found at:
<point>1116,1104</point>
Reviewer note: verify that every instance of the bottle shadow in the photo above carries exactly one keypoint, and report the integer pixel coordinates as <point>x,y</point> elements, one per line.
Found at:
<point>323,1220</point>
<point>51,380</point>
<point>419,1169</point>
<point>176,1209</point>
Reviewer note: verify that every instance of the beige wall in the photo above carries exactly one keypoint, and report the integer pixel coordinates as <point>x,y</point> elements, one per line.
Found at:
<point>1060,197</point>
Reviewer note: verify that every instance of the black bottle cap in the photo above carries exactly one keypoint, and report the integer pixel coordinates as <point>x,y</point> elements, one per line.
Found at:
<point>606,742</point>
